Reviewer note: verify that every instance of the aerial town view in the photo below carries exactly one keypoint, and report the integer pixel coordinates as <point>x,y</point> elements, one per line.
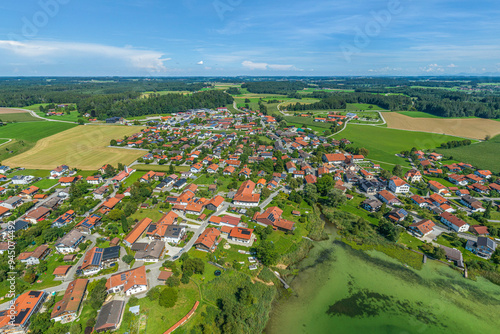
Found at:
<point>244,167</point>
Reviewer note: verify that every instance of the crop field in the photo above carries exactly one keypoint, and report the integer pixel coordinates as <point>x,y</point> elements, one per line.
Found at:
<point>25,135</point>
<point>475,128</point>
<point>384,143</point>
<point>19,117</point>
<point>11,111</point>
<point>484,155</point>
<point>83,147</point>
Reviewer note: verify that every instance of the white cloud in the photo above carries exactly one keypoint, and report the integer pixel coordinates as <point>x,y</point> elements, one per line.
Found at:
<point>452,66</point>
<point>200,62</point>
<point>265,66</point>
<point>432,68</point>
<point>152,61</point>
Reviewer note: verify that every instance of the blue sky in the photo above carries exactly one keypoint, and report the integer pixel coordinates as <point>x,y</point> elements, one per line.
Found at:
<point>248,37</point>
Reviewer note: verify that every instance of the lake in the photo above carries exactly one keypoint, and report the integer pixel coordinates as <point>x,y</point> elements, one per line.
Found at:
<point>341,290</point>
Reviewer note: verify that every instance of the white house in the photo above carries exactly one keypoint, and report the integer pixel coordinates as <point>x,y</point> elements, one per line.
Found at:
<point>398,186</point>
<point>453,222</point>
<point>131,282</point>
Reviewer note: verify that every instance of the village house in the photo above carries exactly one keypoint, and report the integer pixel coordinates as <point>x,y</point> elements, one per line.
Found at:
<point>66,310</point>
<point>69,242</point>
<point>453,222</point>
<point>208,240</point>
<point>423,227</point>
<point>109,316</point>
<point>245,196</point>
<point>131,282</point>
<point>398,186</point>
<point>484,247</point>
<point>31,258</point>
<point>22,308</point>
<point>272,217</point>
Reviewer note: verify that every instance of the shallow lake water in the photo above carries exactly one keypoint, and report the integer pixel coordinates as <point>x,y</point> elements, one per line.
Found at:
<point>341,290</point>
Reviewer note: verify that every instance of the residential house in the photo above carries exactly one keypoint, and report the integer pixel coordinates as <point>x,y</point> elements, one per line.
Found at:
<point>64,219</point>
<point>37,215</point>
<point>131,282</point>
<point>241,235</point>
<point>208,240</point>
<point>472,203</point>
<point>413,175</point>
<point>67,309</point>
<point>30,258</point>
<point>484,247</point>
<point>22,309</point>
<point>272,217</point>
<point>174,233</point>
<point>423,227</point>
<point>152,253</point>
<point>137,231</point>
<point>245,196</point>
<point>453,222</point>
<point>12,202</point>
<point>387,197</point>
<point>69,242</point>
<point>398,186</point>
<point>371,205</point>
<point>109,316</point>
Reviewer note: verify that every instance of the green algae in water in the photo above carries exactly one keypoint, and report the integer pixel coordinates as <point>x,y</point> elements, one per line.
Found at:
<point>349,291</point>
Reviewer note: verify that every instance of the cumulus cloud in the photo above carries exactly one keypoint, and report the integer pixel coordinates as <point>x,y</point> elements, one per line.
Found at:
<point>265,66</point>
<point>452,66</point>
<point>432,68</point>
<point>200,62</point>
<point>152,61</point>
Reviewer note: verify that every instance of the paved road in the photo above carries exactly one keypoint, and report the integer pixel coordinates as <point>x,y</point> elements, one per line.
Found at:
<point>34,114</point>
<point>269,199</point>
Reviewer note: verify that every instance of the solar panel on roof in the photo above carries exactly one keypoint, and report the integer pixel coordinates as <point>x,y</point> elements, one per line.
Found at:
<point>245,232</point>
<point>96,260</point>
<point>123,277</point>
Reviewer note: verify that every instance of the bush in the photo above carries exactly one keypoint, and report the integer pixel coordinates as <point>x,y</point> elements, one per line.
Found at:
<point>168,297</point>
<point>173,281</point>
<point>133,301</point>
<point>128,258</point>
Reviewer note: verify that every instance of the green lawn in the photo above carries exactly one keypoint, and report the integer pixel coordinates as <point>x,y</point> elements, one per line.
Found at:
<point>352,207</point>
<point>140,214</point>
<point>25,135</point>
<point>158,319</point>
<point>384,143</point>
<point>34,172</point>
<point>133,178</point>
<point>483,155</point>
<point>45,183</point>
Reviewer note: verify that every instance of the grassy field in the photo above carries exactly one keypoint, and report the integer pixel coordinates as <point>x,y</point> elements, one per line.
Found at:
<point>25,135</point>
<point>363,106</point>
<point>83,147</point>
<point>46,183</point>
<point>384,143</point>
<point>483,155</point>
<point>19,117</point>
<point>157,319</point>
<point>475,128</point>
<point>72,117</point>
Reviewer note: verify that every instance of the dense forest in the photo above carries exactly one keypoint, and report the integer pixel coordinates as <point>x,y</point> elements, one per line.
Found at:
<point>103,106</point>
<point>274,87</point>
<point>117,96</point>
<point>15,92</point>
